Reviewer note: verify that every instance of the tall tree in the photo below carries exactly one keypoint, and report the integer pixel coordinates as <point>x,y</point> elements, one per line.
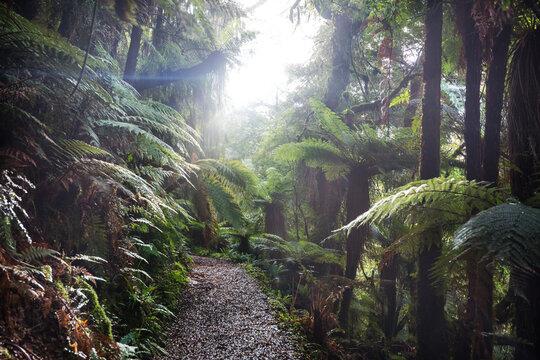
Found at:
<point>480,280</point>
<point>432,342</point>
<point>494,103</point>
<point>524,141</point>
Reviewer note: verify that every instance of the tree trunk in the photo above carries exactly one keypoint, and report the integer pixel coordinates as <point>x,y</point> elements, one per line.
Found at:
<point>274,222</point>
<point>527,317</point>
<point>158,37</point>
<point>337,83</point>
<point>524,116</point>
<point>388,270</point>
<point>133,52</point>
<point>243,244</point>
<point>431,327</point>
<point>415,93</point>
<point>327,203</point>
<point>524,141</point>
<point>341,55</point>
<point>68,23</point>
<point>430,156</point>
<point>473,57</point>
<point>494,101</point>
<point>28,8</point>
<point>357,203</point>
<point>477,317</point>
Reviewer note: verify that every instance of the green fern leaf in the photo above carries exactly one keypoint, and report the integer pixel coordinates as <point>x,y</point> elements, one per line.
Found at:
<point>510,232</point>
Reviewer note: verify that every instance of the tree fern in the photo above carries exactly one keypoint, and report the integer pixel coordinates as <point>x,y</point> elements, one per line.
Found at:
<point>342,147</point>
<point>510,232</point>
<point>435,202</point>
<point>233,174</point>
<point>223,201</point>
<point>316,153</point>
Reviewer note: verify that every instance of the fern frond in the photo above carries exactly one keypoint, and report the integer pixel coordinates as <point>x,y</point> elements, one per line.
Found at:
<point>332,125</point>
<point>316,153</point>
<point>232,173</point>
<point>33,253</point>
<point>69,150</point>
<point>138,186</point>
<point>510,232</point>
<point>223,201</point>
<point>439,201</point>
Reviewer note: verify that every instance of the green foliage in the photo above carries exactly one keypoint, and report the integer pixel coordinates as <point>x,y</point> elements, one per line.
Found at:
<point>509,232</point>
<point>303,253</point>
<point>402,98</point>
<point>103,324</point>
<point>436,202</point>
<point>316,153</point>
<point>33,253</point>
<point>342,147</point>
<point>102,158</point>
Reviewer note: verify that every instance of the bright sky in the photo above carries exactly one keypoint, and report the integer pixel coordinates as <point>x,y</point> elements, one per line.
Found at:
<point>279,43</point>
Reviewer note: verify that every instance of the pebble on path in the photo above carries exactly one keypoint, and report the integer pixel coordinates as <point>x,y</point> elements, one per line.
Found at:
<point>224,315</point>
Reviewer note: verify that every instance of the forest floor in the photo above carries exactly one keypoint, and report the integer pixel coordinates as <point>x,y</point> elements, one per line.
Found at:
<point>225,315</point>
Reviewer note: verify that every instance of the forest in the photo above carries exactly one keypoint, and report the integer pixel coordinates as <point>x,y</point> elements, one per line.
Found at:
<point>388,204</point>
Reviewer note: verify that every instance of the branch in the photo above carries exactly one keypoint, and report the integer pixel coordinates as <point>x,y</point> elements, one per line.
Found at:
<point>375,105</point>
<point>213,62</point>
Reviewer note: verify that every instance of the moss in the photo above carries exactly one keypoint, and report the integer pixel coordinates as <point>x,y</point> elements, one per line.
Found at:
<point>103,324</point>
<point>4,353</point>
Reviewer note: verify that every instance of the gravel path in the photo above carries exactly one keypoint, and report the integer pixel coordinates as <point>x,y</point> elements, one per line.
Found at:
<point>224,315</point>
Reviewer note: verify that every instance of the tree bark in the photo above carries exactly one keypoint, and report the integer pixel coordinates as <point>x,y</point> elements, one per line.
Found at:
<point>494,101</point>
<point>274,222</point>
<point>431,327</point>
<point>341,55</point>
<point>357,203</point>
<point>473,57</point>
<point>69,20</point>
<point>524,141</point>
<point>158,37</point>
<point>431,116</point>
<point>327,203</point>
<point>415,93</point>
<point>477,318</point>
<point>133,52</point>
<point>388,270</point>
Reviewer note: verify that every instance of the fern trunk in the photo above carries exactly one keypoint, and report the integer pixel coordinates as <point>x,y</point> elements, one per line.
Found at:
<point>327,201</point>
<point>431,326</point>
<point>357,203</point>
<point>274,220</point>
<point>133,52</point>
<point>388,271</point>
<point>68,23</point>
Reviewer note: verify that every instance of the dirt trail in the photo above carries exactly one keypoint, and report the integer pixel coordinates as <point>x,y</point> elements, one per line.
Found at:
<point>224,315</point>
